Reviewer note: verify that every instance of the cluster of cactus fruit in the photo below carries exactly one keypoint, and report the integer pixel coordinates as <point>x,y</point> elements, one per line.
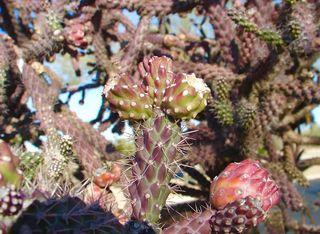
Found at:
<point>214,91</point>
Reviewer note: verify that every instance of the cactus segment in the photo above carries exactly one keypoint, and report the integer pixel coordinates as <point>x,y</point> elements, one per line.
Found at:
<point>153,167</point>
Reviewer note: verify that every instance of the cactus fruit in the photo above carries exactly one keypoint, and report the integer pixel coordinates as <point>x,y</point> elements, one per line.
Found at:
<point>239,180</point>
<point>153,167</point>
<point>129,99</point>
<point>66,149</point>
<point>221,89</point>
<point>238,216</point>
<point>11,200</point>
<point>185,97</point>
<point>58,153</point>
<point>9,174</point>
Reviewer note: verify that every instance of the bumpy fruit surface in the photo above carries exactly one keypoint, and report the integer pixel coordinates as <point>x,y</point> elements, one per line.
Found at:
<point>11,201</point>
<point>185,97</point>
<point>238,216</point>
<point>129,98</point>
<point>240,180</point>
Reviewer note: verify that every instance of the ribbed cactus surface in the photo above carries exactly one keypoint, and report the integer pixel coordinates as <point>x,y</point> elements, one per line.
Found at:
<point>153,167</point>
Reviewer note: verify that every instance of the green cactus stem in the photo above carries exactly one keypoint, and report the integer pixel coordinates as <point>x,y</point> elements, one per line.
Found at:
<point>153,167</point>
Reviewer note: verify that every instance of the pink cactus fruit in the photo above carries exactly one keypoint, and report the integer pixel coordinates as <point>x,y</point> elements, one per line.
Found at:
<point>240,180</point>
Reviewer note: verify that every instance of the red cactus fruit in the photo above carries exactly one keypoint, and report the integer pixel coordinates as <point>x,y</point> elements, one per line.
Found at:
<point>240,180</point>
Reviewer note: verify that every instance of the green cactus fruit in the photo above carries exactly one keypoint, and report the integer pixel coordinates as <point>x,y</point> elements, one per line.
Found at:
<point>271,37</point>
<point>242,20</point>
<point>66,215</point>
<point>57,155</point>
<point>128,98</point>
<point>185,97</point>
<point>157,74</point>
<point>153,167</point>
<point>9,174</point>
<point>29,164</point>
<point>11,200</point>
